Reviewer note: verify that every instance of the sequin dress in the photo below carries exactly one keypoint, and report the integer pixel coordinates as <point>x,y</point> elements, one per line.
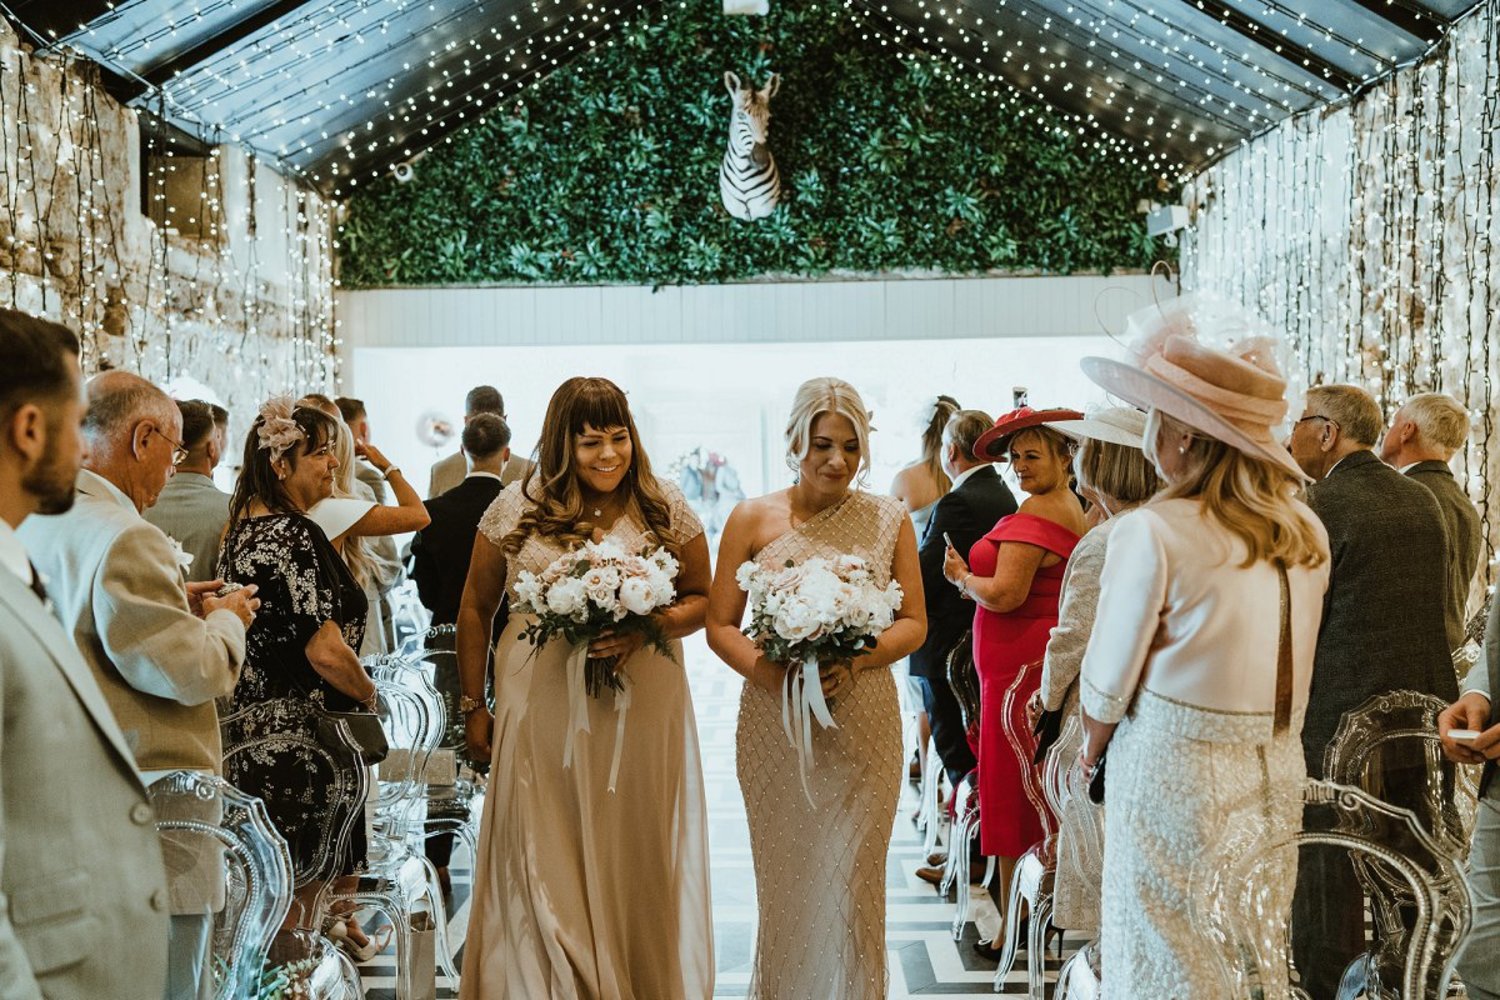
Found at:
<point>582,893</point>
<point>820,870</point>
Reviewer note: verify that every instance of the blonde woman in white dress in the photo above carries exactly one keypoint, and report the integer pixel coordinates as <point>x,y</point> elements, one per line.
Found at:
<point>1184,679</point>
<point>820,866</point>
<point>583,891</point>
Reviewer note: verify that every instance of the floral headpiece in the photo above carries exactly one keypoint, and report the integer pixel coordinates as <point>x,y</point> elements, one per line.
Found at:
<point>276,429</point>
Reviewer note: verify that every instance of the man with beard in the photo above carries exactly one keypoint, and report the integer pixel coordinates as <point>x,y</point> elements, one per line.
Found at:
<point>162,649</point>
<point>85,911</point>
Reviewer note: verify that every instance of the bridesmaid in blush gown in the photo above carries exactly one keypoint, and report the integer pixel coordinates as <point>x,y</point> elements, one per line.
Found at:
<point>1015,577</point>
<point>586,889</point>
<point>820,868</point>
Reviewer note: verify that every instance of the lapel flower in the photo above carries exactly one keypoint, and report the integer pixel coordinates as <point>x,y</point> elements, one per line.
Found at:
<point>184,558</point>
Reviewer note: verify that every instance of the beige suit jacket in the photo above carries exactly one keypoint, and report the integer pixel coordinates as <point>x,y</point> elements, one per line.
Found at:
<point>449,472</point>
<point>120,593</point>
<point>83,902</point>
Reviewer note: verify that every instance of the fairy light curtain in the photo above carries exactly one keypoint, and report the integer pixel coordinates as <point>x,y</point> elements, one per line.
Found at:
<point>244,304</point>
<point>1366,232</point>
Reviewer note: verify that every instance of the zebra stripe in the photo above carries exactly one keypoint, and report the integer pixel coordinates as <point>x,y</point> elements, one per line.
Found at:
<point>749,190</point>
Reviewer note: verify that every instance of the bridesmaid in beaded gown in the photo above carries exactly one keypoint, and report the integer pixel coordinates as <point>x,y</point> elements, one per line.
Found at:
<point>820,868</point>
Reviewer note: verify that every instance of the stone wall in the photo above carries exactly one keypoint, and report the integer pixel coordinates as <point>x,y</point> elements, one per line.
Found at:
<point>235,291</point>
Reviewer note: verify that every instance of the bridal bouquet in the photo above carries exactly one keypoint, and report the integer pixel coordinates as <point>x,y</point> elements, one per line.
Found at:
<point>804,614</point>
<point>583,593</point>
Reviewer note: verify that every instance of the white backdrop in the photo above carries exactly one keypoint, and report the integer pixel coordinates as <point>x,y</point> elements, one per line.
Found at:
<point>728,398</point>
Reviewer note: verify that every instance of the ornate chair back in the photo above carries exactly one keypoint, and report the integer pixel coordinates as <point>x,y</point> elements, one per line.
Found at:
<point>1241,892</point>
<point>225,860</point>
<point>330,782</point>
<point>1023,742</point>
<point>963,677</point>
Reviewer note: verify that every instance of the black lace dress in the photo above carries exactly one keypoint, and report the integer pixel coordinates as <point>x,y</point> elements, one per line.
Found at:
<point>303,583</point>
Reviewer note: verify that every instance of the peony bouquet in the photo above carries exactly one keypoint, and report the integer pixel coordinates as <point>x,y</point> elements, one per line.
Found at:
<point>811,613</point>
<point>591,589</point>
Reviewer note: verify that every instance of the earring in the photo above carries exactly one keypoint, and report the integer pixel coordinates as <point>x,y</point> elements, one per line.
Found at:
<point>1182,449</point>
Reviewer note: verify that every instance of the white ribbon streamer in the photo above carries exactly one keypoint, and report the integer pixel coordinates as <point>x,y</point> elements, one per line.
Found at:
<point>578,710</point>
<point>801,702</point>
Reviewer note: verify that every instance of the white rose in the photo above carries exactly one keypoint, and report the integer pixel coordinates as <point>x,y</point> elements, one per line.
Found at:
<point>746,575</point>
<point>600,585</point>
<point>637,596</point>
<point>796,621</point>
<point>567,597</point>
<point>528,591</point>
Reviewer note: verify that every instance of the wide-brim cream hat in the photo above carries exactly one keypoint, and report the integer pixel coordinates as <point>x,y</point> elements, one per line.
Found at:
<point>1122,425</point>
<point>1235,395</point>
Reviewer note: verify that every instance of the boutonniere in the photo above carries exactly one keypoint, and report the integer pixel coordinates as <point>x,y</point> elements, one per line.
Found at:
<point>184,558</point>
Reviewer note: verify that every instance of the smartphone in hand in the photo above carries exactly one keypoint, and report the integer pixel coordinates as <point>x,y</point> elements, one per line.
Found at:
<point>948,540</point>
<point>1463,735</point>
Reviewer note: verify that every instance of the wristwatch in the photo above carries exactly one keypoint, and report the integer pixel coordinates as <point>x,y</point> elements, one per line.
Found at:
<point>467,705</point>
<point>389,471</point>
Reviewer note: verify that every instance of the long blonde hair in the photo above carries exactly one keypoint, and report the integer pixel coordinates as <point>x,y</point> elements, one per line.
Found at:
<point>1248,497</point>
<point>552,485</point>
<point>943,410</point>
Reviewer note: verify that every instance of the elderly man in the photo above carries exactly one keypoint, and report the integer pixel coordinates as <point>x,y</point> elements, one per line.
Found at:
<point>191,509</point>
<point>1425,434</point>
<point>83,900</point>
<point>161,649</point>
<point>1384,629</point>
<point>451,471</point>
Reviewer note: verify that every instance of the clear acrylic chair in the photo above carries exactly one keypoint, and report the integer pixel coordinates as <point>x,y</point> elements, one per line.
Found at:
<point>226,861</point>
<point>277,735</point>
<point>1078,979</point>
<point>1396,733</point>
<point>1241,892</point>
<point>1034,877</point>
<point>399,882</point>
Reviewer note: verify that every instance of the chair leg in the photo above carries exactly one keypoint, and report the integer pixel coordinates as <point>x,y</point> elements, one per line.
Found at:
<point>1036,953</point>
<point>1011,930</point>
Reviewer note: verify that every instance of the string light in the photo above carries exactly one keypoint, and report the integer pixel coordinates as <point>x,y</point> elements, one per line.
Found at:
<point>225,272</point>
<point>1367,234</point>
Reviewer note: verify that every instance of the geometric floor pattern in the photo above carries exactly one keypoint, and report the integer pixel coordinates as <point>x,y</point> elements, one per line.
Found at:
<point>923,958</point>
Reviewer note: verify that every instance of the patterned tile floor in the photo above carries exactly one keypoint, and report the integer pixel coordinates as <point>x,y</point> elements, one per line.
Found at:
<point>923,958</point>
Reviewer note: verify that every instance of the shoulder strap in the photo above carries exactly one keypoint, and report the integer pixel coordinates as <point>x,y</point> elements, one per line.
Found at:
<point>1283,716</point>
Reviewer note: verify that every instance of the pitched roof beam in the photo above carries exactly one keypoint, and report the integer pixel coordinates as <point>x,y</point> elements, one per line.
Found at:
<point>1277,43</point>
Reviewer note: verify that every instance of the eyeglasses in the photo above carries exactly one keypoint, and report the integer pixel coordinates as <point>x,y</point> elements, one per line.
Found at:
<point>179,453</point>
<point>1319,416</point>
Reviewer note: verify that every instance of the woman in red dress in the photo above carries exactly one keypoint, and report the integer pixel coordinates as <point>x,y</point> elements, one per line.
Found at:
<point>1014,575</point>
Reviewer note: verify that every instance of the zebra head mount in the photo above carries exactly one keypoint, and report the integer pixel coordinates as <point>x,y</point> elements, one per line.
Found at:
<point>748,182</point>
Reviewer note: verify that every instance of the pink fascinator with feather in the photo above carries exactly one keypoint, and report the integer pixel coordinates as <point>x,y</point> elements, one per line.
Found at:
<point>275,429</point>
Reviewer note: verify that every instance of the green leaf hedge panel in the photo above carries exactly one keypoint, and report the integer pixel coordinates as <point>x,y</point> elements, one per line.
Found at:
<point>607,170</point>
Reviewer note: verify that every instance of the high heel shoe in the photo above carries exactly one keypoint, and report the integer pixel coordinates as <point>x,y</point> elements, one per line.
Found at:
<point>337,931</point>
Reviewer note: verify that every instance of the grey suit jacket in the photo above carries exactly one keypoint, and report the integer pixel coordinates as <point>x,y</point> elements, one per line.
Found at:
<point>119,592</point>
<point>449,472</point>
<point>192,510</point>
<point>1384,616</point>
<point>1465,539</point>
<point>83,901</point>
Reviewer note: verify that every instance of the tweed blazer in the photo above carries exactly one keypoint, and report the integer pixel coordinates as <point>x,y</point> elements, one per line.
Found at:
<point>119,592</point>
<point>83,900</point>
<point>194,512</point>
<point>1465,540</point>
<point>1384,616</point>
<point>449,472</point>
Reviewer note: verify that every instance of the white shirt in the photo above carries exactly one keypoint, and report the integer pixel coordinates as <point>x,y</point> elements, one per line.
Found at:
<point>1180,617</point>
<point>958,479</point>
<point>13,554</point>
<point>486,475</point>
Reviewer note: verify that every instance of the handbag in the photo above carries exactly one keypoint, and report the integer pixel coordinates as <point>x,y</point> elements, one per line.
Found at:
<point>1282,717</point>
<point>364,729</point>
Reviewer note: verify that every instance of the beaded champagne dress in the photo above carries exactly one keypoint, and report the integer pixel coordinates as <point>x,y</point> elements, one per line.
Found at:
<point>582,892</point>
<point>820,869</point>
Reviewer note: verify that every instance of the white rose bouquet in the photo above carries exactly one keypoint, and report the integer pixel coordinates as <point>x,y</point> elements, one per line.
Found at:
<point>592,589</point>
<point>816,612</point>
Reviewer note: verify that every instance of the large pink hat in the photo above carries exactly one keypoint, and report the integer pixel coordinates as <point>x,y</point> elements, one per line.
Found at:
<point>1235,395</point>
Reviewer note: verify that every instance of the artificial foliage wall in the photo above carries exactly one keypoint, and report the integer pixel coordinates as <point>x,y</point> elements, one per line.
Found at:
<point>606,171</point>
<point>1367,234</point>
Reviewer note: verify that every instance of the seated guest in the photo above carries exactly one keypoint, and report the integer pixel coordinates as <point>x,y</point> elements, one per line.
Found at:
<point>160,648</point>
<point>1424,436</point>
<point>978,499</point>
<point>440,565</point>
<point>1114,476</point>
<point>302,652</point>
<point>1384,629</point>
<point>85,911</point>
<point>449,472</point>
<point>191,509</point>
